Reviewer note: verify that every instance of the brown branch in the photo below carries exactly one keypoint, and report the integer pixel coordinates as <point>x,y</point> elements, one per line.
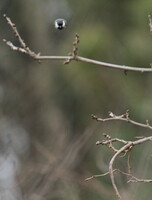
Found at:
<point>17,35</point>
<point>73,56</point>
<point>137,180</point>
<point>13,47</point>
<point>128,163</point>
<point>97,176</point>
<point>110,141</point>
<point>128,145</point>
<point>133,179</point>
<point>126,148</point>
<point>24,48</point>
<point>123,117</point>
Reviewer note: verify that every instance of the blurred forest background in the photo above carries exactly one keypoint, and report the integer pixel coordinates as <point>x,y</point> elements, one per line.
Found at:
<point>47,136</point>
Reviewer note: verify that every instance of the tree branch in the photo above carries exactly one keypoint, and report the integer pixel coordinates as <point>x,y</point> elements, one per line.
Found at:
<point>72,56</point>
<point>126,148</point>
<point>124,117</point>
<point>133,179</point>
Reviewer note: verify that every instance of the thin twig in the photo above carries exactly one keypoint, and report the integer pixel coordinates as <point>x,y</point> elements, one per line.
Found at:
<point>128,162</point>
<point>137,180</point>
<point>107,142</point>
<point>132,179</point>
<point>73,56</point>
<point>123,117</point>
<point>13,26</point>
<point>13,47</point>
<point>97,175</point>
<point>24,48</point>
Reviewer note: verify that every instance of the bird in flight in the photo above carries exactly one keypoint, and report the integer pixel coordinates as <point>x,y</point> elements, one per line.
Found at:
<point>60,24</point>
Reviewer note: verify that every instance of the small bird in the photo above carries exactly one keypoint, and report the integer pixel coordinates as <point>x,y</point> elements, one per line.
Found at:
<point>60,24</point>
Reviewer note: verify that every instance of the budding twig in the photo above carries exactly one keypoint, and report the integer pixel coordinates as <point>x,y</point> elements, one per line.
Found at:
<point>24,48</point>
<point>73,56</point>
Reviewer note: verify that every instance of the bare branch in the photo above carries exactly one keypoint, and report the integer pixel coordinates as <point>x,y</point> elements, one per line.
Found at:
<point>98,175</point>
<point>137,180</point>
<point>13,47</point>
<point>132,179</point>
<point>24,48</point>
<point>13,26</point>
<point>123,117</point>
<point>126,148</point>
<point>110,141</point>
<point>128,163</point>
<point>72,56</point>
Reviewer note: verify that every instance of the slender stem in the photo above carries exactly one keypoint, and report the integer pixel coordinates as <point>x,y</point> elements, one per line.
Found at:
<point>115,66</point>
<point>37,57</point>
<point>95,62</point>
<point>120,118</point>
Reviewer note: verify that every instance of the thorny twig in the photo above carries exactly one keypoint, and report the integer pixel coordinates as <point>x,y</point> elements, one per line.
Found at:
<point>67,59</point>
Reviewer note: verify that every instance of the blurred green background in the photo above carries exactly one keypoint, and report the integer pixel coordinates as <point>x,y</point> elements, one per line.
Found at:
<point>47,135</point>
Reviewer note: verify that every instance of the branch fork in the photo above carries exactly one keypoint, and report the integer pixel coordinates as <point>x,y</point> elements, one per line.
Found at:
<point>126,148</point>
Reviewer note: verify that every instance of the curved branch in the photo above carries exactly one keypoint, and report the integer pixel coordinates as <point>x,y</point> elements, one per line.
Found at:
<point>111,171</point>
<point>125,148</point>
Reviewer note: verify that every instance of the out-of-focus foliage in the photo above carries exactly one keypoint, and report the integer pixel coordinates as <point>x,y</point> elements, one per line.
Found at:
<point>46,108</point>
